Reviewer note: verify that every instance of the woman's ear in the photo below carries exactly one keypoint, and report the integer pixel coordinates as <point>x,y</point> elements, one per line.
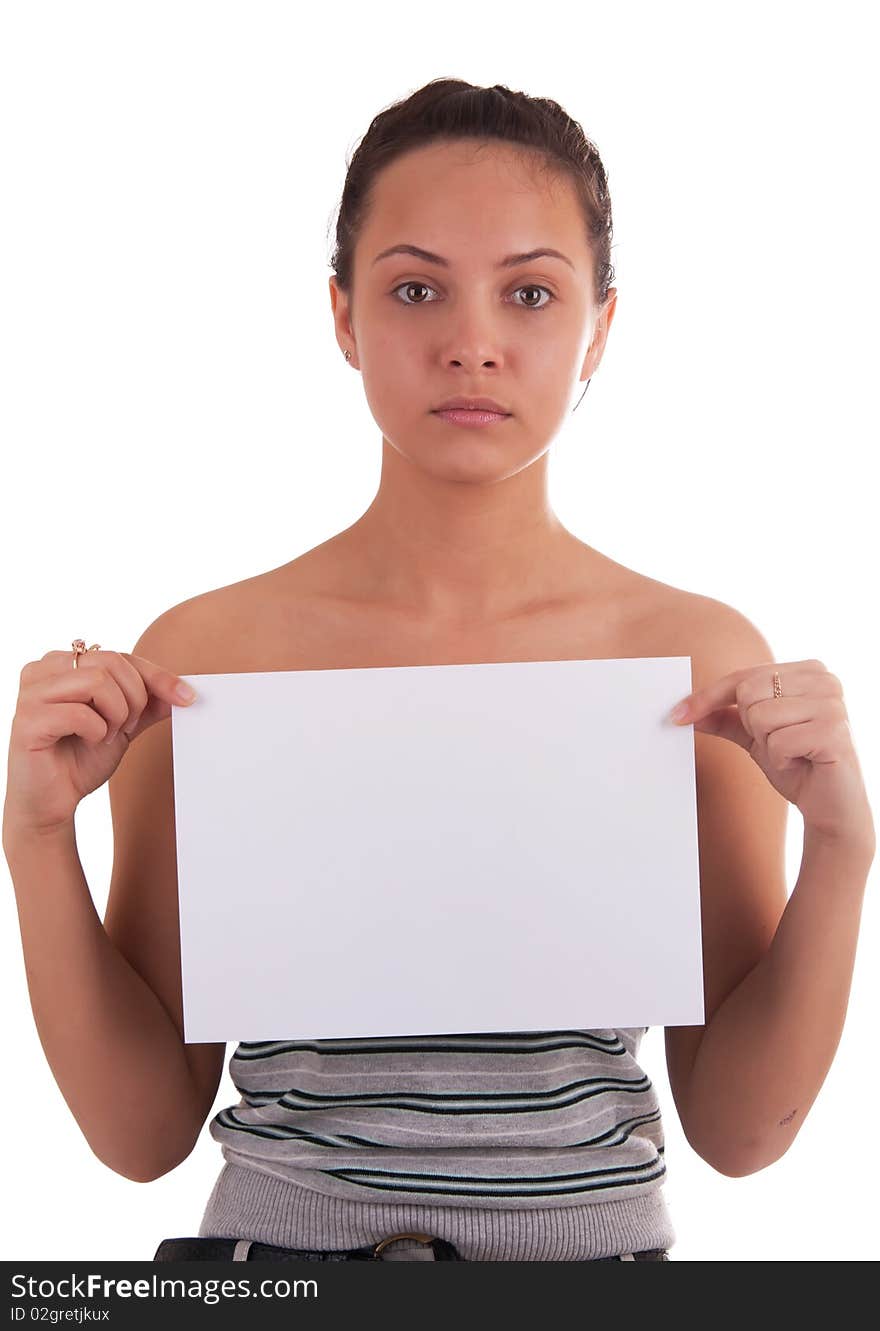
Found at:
<point>341,307</point>
<point>600,334</point>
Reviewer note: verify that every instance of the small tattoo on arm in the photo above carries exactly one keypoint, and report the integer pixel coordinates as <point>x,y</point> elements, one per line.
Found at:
<point>787,1118</point>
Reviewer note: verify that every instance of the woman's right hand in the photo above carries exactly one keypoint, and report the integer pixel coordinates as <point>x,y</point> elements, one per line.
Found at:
<point>72,727</point>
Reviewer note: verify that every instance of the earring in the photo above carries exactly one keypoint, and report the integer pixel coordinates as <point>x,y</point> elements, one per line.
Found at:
<point>581,398</point>
<point>348,356</point>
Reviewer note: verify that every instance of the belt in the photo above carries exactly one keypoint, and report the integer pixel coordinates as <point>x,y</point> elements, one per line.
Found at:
<point>249,1250</point>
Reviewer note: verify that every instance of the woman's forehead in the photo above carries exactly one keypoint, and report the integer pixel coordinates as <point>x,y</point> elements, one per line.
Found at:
<point>445,209</point>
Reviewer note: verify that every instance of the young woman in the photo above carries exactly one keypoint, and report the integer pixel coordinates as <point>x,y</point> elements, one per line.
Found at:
<point>472,291</point>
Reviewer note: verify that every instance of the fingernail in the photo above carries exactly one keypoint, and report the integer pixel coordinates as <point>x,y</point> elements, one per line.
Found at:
<point>678,711</point>
<point>185,693</point>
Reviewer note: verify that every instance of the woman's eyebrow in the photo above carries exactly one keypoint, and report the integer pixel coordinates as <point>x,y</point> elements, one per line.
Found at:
<point>511,261</point>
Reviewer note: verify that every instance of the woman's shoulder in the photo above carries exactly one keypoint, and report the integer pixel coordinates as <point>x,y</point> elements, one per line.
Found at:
<point>226,629</point>
<point>663,619</point>
<point>687,616</point>
<point>189,636</point>
<point>285,618</point>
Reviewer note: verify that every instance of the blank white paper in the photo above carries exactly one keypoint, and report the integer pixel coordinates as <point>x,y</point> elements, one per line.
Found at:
<point>437,850</point>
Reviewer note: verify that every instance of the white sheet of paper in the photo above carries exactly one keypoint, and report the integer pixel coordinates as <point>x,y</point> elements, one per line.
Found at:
<point>437,849</point>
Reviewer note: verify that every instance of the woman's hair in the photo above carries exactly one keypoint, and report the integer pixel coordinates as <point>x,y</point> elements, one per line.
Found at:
<point>446,110</point>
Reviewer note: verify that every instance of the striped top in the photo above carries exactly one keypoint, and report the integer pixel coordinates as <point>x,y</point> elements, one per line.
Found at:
<point>526,1119</point>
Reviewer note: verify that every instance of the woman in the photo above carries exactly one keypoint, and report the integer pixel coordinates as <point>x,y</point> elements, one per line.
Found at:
<point>490,209</point>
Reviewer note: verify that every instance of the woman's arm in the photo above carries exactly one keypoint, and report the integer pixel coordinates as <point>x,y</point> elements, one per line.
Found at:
<point>777,977</point>
<point>767,1049</point>
<point>113,1048</point>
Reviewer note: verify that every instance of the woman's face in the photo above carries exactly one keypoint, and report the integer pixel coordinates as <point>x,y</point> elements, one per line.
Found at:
<point>526,334</point>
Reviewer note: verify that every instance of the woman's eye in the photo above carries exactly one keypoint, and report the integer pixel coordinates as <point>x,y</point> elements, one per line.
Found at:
<point>412,286</point>
<point>531,305</point>
<point>422,286</point>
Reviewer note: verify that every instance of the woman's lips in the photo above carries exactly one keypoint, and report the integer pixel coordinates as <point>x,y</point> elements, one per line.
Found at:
<point>458,416</point>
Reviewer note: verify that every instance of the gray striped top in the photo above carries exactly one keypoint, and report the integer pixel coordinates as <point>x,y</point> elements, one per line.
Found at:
<point>531,1119</point>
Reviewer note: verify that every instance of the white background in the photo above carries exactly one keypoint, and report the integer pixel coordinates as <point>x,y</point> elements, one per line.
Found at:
<point>177,415</point>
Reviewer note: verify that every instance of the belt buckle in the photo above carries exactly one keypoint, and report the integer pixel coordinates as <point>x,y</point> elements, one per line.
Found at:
<point>383,1243</point>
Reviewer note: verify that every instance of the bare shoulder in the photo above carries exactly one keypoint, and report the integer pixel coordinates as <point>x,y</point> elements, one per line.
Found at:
<point>686,623</point>
<point>200,612</point>
<point>724,638</point>
<point>205,633</point>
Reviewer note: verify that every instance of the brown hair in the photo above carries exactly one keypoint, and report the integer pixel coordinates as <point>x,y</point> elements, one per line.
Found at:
<point>446,110</point>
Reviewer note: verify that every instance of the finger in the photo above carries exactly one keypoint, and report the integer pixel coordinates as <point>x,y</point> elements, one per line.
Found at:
<point>136,693</point>
<point>772,714</point>
<point>162,687</point>
<point>96,687</point>
<point>754,683</point>
<point>40,727</point>
<point>817,740</point>
<point>726,722</point>
<point>721,693</point>
<point>130,683</point>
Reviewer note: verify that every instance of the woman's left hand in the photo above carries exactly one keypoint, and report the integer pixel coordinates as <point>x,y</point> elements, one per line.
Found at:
<point>801,740</point>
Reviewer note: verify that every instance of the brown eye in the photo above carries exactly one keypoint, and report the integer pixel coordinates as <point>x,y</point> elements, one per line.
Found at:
<point>532,305</point>
<point>412,286</point>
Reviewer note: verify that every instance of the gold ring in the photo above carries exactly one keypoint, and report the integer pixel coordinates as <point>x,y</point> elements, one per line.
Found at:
<point>79,647</point>
<point>777,686</point>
